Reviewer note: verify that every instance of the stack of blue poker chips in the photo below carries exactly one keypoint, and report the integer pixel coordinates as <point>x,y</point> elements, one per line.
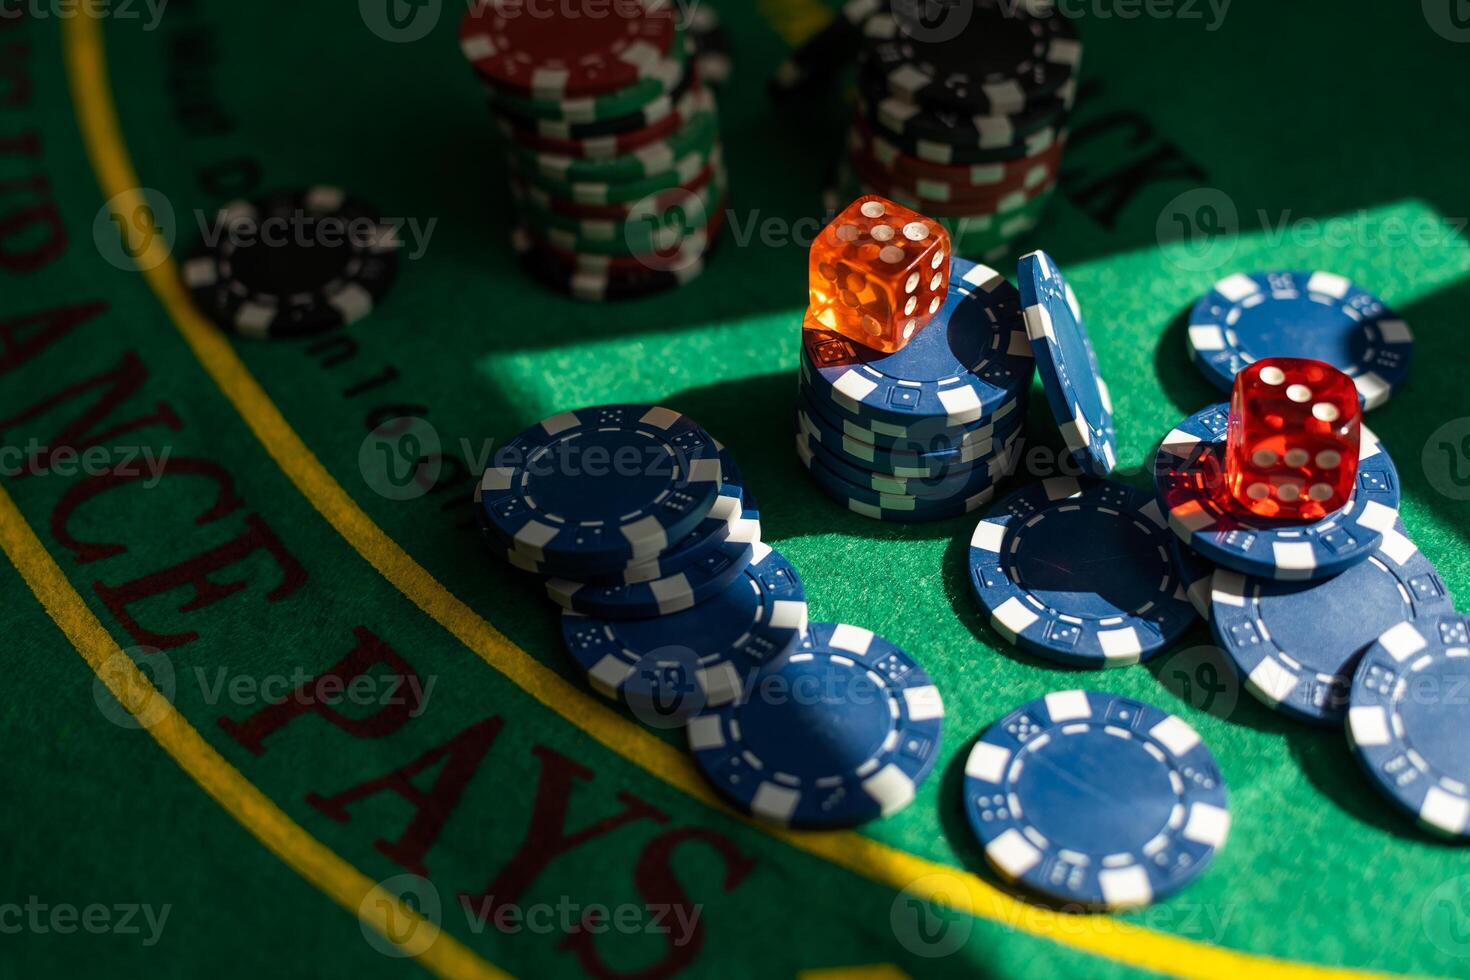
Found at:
<point>642,530</point>
<point>927,432</point>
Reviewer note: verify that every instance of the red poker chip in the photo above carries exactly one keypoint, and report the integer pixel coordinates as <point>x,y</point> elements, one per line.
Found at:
<point>569,48</point>
<point>622,211</point>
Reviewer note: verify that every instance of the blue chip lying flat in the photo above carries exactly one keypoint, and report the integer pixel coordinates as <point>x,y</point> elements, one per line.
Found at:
<point>1070,378</point>
<point>903,463</point>
<point>1080,574</point>
<point>601,486</point>
<point>1096,799</point>
<point>1195,574</point>
<point>1189,471</point>
<point>1408,716</point>
<point>967,363</point>
<point>1296,643</point>
<point>855,745</point>
<point>673,666</point>
<point>1300,314</point>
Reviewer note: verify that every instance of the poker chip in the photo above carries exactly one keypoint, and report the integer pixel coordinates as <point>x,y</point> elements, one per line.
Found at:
<point>1004,58</point>
<point>1296,644</point>
<point>1080,573</point>
<point>611,141</point>
<point>1070,377</point>
<point>950,495</point>
<point>856,746</point>
<point>971,359</point>
<point>1196,575</point>
<point>896,462</point>
<point>685,662</point>
<point>568,56</point>
<point>681,590</point>
<point>1003,176</point>
<point>1316,315</point>
<point>914,121</point>
<point>1407,719</point>
<point>923,438</point>
<point>1189,475</point>
<point>338,261</point>
<point>1095,799</point>
<point>709,45</point>
<point>535,493</point>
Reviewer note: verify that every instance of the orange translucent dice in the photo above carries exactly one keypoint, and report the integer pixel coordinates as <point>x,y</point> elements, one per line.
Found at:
<point>878,273</point>
<point>1291,449</point>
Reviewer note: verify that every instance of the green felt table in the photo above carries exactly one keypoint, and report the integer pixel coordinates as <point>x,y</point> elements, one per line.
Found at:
<point>231,833</point>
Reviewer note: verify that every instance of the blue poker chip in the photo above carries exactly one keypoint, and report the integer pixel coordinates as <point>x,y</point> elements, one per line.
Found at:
<point>1195,574</point>
<point>1296,644</point>
<point>923,435</point>
<point>1407,718</point>
<point>1189,475</point>
<point>1096,799</point>
<point>1080,573</point>
<point>948,497</point>
<point>922,464</point>
<point>1317,315</point>
<point>840,730</point>
<point>706,577</point>
<point>959,479</point>
<point>670,667</point>
<point>1070,378</point>
<point>707,536</point>
<point>968,362</point>
<point>601,486</point>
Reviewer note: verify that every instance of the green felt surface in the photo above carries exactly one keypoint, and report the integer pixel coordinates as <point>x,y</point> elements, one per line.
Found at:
<point>1325,135</point>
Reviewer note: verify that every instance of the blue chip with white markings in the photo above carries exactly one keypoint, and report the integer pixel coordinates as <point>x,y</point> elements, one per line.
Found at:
<point>1296,644</point>
<point>1189,476</point>
<point>601,486</point>
<point>1080,573</point>
<point>1318,315</point>
<point>967,363</point>
<point>1070,378</point>
<point>840,730</point>
<point>669,667</point>
<point>1097,799</point>
<point>1408,715</point>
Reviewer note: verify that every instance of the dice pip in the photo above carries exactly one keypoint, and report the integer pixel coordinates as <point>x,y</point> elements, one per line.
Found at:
<point>1291,449</point>
<point>878,273</point>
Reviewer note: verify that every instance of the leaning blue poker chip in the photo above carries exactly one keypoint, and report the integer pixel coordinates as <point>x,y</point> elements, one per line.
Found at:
<point>685,662</point>
<point>1318,315</point>
<point>601,486</point>
<point>840,730</point>
<point>1407,719</point>
<point>1096,799</point>
<point>1296,644</point>
<point>1070,379</point>
<point>1080,573</point>
<point>968,362</point>
<point>659,597</point>
<point>1189,475</point>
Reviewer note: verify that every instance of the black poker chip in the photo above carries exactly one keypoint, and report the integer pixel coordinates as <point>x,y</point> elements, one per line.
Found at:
<point>1004,57</point>
<point>944,151</point>
<point>293,263</point>
<point>709,45</point>
<point>977,130</point>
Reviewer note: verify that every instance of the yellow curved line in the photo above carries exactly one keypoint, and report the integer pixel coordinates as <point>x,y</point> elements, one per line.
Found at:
<point>395,921</point>
<point>888,866</point>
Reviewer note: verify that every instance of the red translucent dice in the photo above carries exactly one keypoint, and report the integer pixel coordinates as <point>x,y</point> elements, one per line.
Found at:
<point>878,273</point>
<point>1291,451</point>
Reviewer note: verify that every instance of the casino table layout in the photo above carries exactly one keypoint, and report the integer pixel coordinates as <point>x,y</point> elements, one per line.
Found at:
<point>187,794</point>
